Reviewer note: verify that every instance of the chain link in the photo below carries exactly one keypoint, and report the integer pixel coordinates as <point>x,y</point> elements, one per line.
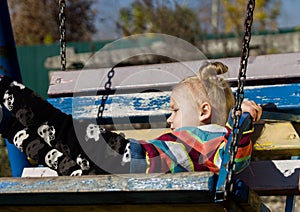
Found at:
<point>107,86</point>
<point>62,31</point>
<point>239,96</point>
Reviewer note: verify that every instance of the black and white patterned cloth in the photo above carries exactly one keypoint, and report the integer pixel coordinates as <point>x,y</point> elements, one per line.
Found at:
<point>52,138</point>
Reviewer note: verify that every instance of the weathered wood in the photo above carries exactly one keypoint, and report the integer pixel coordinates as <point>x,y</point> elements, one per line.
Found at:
<point>164,191</point>
<point>139,107</point>
<point>276,139</point>
<point>123,208</point>
<point>280,69</point>
<point>276,177</point>
<point>110,183</point>
<point>210,207</point>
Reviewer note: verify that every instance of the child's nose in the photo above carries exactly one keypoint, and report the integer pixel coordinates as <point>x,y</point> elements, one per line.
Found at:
<point>170,119</point>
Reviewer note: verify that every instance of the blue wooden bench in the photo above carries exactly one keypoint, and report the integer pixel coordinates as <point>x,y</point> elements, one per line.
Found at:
<point>138,107</point>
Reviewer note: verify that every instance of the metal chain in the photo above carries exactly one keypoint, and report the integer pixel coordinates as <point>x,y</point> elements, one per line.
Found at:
<point>239,96</point>
<point>107,87</point>
<point>62,31</point>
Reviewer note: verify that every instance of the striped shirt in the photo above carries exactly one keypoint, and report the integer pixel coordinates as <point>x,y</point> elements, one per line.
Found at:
<point>190,149</point>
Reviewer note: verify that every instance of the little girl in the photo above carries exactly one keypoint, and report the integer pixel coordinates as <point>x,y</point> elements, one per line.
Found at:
<point>200,106</point>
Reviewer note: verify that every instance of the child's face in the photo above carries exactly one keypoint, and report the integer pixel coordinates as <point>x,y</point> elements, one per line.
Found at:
<point>184,109</point>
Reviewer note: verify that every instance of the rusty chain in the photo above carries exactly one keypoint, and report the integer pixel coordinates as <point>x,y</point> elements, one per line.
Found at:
<point>107,87</point>
<point>239,96</point>
<point>62,31</point>
<point>110,74</point>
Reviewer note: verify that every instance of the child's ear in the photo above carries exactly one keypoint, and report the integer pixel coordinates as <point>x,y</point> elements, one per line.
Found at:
<point>205,113</point>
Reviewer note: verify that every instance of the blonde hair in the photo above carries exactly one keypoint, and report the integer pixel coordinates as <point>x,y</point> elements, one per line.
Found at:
<point>208,86</point>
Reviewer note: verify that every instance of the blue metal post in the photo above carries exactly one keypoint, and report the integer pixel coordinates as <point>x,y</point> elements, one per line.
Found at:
<point>9,66</point>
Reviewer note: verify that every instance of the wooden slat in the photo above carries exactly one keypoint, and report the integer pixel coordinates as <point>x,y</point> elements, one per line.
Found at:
<point>283,116</point>
<point>123,208</point>
<point>209,207</point>
<point>109,184</point>
<point>262,70</point>
<point>276,139</point>
<point>264,177</point>
<point>269,178</point>
<point>273,177</point>
<point>139,106</point>
<point>164,191</point>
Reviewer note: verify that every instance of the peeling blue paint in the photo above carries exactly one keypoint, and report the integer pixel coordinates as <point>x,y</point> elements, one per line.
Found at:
<point>6,185</point>
<point>88,182</point>
<point>286,97</point>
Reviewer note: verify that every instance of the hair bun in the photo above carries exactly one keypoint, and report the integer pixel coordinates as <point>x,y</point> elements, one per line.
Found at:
<point>220,68</point>
<point>212,69</point>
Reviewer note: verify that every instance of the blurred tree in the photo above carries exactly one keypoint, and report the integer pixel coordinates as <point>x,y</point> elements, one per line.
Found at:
<point>155,16</point>
<point>265,14</point>
<point>37,22</point>
<point>264,18</point>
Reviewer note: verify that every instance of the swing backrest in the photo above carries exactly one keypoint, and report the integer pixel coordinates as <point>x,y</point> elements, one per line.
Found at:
<point>142,101</point>
<point>137,89</point>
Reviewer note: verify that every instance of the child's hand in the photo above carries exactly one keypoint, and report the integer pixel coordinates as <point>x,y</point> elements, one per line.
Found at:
<point>252,108</point>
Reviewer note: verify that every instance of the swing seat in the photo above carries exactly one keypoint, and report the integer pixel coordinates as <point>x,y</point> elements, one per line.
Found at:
<point>276,137</point>
<point>170,192</point>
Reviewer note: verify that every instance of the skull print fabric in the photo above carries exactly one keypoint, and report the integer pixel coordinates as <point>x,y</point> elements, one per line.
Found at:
<point>25,116</point>
<point>93,131</point>
<point>48,136</point>
<point>126,156</point>
<point>8,101</point>
<point>19,138</point>
<point>33,149</point>
<point>47,133</point>
<point>51,158</point>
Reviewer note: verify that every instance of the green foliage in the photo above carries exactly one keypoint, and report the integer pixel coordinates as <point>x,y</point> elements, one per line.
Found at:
<point>37,22</point>
<point>48,39</point>
<point>265,14</point>
<point>167,17</point>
